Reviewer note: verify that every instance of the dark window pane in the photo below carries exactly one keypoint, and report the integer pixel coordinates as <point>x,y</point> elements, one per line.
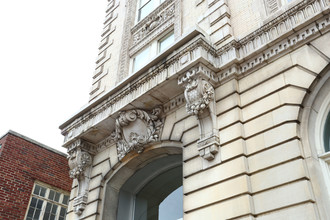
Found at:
<point>65,200</point>
<point>39,204</point>
<point>57,197</point>
<point>63,211</point>
<point>33,202</point>
<point>30,213</point>
<point>36,215</point>
<point>36,190</point>
<point>48,207</point>
<point>54,209</point>
<point>326,134</point>
<point>52,217</point>
<point>46,216</point>
<point>51,195</point>
<point>42,191</point>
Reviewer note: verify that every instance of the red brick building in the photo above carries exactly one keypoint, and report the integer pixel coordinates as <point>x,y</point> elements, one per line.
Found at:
<point>34,179</point>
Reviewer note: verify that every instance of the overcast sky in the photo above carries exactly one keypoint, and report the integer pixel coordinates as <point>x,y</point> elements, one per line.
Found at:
<point>47,56</point>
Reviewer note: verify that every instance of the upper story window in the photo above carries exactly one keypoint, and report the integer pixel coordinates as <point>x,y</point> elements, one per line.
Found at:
<point>147,6</point>
<point>151,50</point>
<point>326,134</point>
<point>165,42</point>
<point>47,203</point>
<point>140,59</point>
<point>274,5</point>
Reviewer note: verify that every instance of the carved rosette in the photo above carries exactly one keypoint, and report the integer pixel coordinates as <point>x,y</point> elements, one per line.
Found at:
<point>80,161</point>
<point>136,128</point>
<point>200,101</point>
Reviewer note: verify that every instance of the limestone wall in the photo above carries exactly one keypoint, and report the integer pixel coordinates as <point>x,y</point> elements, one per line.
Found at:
<point>262,172</point>
<point>266,166</point>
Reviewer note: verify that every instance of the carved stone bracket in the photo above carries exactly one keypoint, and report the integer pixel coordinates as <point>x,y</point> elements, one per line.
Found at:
<point>80,161</point>
<point>136,128</point>
<point>200,98</point>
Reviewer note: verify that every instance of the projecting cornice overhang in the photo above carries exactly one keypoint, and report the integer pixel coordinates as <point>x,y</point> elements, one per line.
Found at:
<point>160,69</point>
<point>304,22</point>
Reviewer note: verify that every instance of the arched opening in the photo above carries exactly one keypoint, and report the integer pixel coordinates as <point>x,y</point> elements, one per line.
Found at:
<point>145,185</point>
<point>152,190</point>
<point>314,135</point>
<point>326,134</point>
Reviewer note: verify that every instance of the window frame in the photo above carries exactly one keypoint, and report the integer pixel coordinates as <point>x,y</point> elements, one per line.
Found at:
<point>324,156</point>
<point>283,5</point>
<point>154,50</point>
<point>163,39</point>
<point>153,7</point>
<point>142,178</point>
<point>46,200</point>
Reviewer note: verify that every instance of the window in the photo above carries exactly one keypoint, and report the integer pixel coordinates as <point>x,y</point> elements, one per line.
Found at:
<point>165,42</point>
<point>274,5</point>
<point>154,192</point>
<point>326,134</point>
<point>149,52</point>
<point>141,58</point>
<point>47,204</point>
<point>147,6</point>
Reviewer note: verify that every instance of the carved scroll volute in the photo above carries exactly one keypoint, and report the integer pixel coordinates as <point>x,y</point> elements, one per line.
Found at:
<point>80,161</point>
<point>136,128</point>
<point>200,98</point>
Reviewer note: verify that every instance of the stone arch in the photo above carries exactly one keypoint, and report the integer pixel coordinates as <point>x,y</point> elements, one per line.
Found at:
<point>312,117</point>
<point>133,162</point>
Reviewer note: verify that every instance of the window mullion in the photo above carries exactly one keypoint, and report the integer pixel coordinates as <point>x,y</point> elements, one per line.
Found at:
<point>141,6</point>
<point>43,208</point>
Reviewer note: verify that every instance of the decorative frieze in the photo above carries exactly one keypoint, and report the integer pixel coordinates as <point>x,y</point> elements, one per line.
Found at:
<point>153,26</point>
<point>198,90</point>
<point>152,23</point>
<point>200,101</point>
<point>80,161</point>
<point>136,128</point>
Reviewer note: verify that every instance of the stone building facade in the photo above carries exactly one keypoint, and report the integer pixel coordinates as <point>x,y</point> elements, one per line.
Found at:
<point>34,180</point>
<point>226,100</point>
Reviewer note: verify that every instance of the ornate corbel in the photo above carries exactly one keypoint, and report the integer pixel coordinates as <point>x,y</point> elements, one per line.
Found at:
<point>136,128</point>
<point>200,101</point>
<point>80,163</point>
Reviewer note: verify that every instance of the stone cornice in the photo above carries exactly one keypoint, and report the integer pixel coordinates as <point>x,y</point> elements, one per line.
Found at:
<point>298,25</point>
<point>133,89</point>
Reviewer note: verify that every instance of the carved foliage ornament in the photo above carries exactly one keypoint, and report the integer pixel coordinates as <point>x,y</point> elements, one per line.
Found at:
<point>200,98</point>
<point>80,161</point>
<point>198,94</point>
<point>79,158</point>
<point>79,164</point>
<point>136,128</point>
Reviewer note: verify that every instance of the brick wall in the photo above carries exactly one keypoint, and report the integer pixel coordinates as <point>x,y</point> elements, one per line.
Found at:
<point>21,163</point>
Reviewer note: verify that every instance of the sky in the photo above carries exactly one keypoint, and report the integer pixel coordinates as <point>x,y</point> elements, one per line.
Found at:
<point>48,51</point>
